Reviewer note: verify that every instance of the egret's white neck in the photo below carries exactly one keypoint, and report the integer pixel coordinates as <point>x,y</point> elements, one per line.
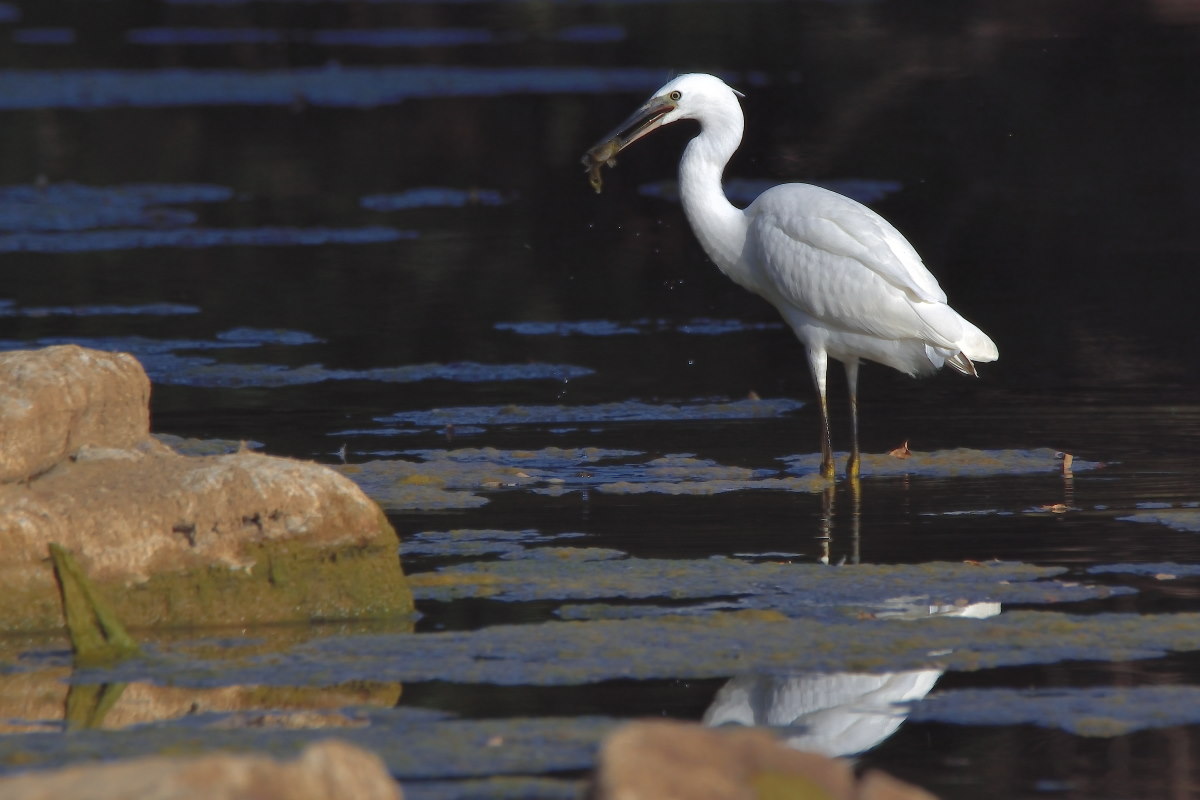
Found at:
<point>718,224</point>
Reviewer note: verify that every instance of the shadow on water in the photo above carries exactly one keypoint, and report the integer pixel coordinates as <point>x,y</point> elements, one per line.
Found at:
<point>361,235</point>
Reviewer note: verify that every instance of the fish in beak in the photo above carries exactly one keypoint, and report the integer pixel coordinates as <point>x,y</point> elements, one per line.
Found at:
<point>640,123</point>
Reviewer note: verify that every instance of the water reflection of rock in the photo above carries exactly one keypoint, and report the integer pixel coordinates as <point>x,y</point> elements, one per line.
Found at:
<point>45,701</point>
<point>833,713</point>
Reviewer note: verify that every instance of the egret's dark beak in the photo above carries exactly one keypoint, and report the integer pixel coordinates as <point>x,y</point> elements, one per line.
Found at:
<point>640,123</point>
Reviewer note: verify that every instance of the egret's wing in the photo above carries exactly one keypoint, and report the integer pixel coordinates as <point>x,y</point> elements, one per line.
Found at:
<point>830,222</point>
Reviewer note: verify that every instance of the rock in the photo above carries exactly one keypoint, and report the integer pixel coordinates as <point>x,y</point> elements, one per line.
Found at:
<point>664,760</point>
<point>56,400</point>
<point>169,539</point>
<point>327,770</point>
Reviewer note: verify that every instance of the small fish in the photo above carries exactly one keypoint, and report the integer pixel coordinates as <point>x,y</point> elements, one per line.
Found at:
<point>599,156</point>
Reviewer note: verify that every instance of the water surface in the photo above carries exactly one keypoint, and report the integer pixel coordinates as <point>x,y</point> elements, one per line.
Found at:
<point>360,233</point>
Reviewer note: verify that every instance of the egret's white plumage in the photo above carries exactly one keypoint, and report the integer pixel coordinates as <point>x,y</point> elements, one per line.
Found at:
<point>848,283</point>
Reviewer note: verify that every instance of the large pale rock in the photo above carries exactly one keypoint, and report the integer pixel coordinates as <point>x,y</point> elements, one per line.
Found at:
<point>664,760</point>
<point>328,770</point>
<point>56,400</point>
<point>171,539</point>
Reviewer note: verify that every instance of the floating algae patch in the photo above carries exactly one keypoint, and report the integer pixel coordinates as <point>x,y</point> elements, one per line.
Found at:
<point>700,326</point>
<point>10,309</point>
<point>407,486</point>
<point>190,446</point>
<point>811,483</point>
<point>141,238</point>
<point>812,590</point>
<point>1101,711</point>
<point>331,86</point>
<point>343,37</point>
<point>68,206</point>
<point>164,364</point>
<point>415,746</point>
<point>961,462</point>
<point>1162,569</point>
<point>566,554</point>
<point>616,412</point>
<point>548,458</point>
<point>184,371</point>
<point>433,197</point>
<point>1180,519</point>
<point>467,542</point>
<point>442,477</point>
<point>683,647</point>
<point>556,471</point>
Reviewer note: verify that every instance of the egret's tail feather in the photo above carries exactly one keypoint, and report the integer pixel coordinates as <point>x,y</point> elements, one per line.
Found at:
<point>963,364</point>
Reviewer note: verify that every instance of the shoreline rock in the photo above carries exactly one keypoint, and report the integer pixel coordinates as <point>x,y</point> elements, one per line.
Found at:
<point>668,760</point>
<point>325,770</point>
<point>171,539</point>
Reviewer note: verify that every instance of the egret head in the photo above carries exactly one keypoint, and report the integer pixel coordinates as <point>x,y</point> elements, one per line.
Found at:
<point>695,96</point>
<point>704,98</point>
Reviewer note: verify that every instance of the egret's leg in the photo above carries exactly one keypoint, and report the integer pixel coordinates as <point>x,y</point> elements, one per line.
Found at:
<point>818,365</point>
<point>852,466</point>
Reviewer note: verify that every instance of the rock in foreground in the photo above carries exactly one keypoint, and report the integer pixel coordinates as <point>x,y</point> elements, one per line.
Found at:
<point>327,770</point>
<point>662,760</point>
<point>171,539</point>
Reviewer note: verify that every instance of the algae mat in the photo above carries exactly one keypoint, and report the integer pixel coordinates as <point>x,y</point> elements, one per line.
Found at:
<point>793,589</point>
<point>710,646</point>
<point>461,478</point>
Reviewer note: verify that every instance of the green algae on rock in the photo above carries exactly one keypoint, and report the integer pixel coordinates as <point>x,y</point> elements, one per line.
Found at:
<point>97,635</point>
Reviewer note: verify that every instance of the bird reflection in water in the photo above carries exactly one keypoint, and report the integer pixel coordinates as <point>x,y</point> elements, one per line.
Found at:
<point>834,713</point>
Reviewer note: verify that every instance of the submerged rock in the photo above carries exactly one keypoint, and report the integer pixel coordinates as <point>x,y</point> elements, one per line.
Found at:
<point>166,538</point>
<point>325,770</point>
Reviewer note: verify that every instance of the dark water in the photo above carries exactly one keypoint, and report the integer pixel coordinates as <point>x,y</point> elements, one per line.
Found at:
<point>310,219</point>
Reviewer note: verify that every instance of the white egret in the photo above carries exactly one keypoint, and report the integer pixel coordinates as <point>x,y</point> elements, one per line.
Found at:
<point>848,283</point>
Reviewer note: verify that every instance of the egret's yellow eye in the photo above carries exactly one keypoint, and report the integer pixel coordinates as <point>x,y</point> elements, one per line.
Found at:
<point>675,95</point>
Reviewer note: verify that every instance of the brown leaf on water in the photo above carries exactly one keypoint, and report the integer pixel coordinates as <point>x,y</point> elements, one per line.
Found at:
<point>901,452</point>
